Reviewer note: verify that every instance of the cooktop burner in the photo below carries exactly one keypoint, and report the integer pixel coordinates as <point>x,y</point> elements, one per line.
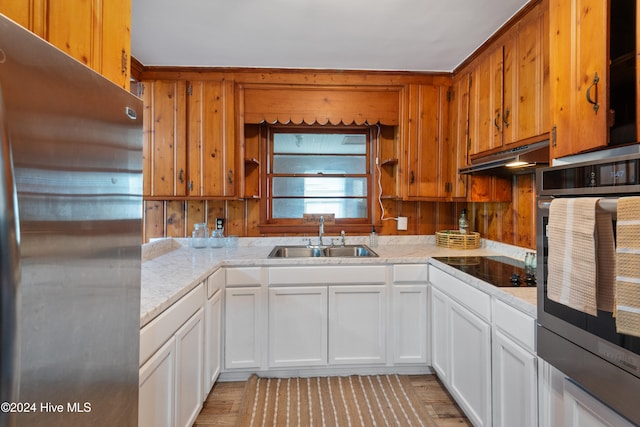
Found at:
<point>497,270</point>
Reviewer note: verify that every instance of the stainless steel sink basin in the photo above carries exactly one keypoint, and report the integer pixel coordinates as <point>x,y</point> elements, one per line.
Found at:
<point>317,251</point>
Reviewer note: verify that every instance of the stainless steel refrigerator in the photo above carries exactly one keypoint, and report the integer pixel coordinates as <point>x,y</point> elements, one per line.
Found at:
<point>70,239</point>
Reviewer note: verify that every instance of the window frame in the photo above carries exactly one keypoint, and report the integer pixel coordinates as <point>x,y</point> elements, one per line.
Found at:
<point>268,224</point>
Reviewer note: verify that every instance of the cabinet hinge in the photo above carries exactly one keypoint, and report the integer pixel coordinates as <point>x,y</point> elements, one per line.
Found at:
<point>140,89</point>
<point>125,62</point>
<point>189,90</point>
<point>554,136</point>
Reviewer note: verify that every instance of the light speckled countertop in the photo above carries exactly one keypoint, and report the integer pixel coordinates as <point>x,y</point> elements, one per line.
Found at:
<point>171,268</point>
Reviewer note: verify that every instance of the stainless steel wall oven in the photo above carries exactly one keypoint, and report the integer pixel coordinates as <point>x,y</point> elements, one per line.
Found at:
<point>587,348</point>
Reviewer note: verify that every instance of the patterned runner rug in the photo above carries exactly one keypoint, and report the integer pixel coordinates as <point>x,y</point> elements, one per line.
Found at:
<point>377,400</point>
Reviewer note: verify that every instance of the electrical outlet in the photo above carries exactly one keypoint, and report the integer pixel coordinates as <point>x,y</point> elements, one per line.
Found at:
<point>402,223</point>
<point>219,223</point>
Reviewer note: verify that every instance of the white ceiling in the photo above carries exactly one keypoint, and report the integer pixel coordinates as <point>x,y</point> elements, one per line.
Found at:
<point>396,35</point>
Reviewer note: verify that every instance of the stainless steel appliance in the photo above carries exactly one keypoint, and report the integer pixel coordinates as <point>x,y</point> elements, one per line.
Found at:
<point>70,236</point>
<point>585,347</point>
<point>499,271</point>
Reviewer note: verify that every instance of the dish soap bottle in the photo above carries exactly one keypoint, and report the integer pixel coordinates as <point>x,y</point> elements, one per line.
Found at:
<point>463,222</point>
<point>373,237</point>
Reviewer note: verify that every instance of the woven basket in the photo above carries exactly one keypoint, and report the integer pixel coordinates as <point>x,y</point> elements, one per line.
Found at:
<point>453,239</point>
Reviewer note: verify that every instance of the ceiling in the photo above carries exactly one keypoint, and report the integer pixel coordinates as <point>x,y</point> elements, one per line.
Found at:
<point>394,35</point>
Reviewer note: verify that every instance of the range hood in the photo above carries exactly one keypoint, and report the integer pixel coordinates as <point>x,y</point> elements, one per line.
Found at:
<point>515,161</point>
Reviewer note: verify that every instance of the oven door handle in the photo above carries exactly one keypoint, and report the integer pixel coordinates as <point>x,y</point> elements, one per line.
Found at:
<point>607,204</point>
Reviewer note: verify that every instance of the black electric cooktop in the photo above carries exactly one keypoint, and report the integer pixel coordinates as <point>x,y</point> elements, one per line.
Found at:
<point>497,270</point>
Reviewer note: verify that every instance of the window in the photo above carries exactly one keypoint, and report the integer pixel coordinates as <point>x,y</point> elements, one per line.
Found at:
<point>319,171</point>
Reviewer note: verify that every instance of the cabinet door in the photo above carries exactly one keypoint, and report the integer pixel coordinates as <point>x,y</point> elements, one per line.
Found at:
<point>526,75</point>
<point>357,324</point>
<point>485,108</point>
<point>427,133</point>
<point>211,144</point>
<point>470,358</point>
<point>156,396</point>
<point>189,370</point>
<point>578,52</point>
<point>213,335</point>
<point>116,42</point>
<point>514,384</point>
<point>164,146</point>
<point>410,323</point>
<point>440,334</point>
<point>456,154</point>
<point>298,326</point>
<point>243,312</point>
<point>583,410</point>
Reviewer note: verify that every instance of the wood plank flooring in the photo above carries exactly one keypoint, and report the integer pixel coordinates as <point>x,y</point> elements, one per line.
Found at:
<point>223,403</point>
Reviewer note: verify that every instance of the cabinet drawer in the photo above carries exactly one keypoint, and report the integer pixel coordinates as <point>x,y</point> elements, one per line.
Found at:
<point>516,324</point>
<point>250,276</point>
<point>327,275</point>
<point>472,298</point>
<point>160,329</point>
<point>410,273</point>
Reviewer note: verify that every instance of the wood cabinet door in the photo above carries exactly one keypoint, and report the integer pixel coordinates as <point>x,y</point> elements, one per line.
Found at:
<point>577,54</point>
<point>211,143</point>
<point>115,52</point>
<point>456,154</point>
<point>164,146</point>
<point>526,109</point>
<point>485,108</point>
<point>426,138</point>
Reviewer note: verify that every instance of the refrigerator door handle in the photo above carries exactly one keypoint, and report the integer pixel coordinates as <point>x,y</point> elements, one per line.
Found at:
<point>9,274</point>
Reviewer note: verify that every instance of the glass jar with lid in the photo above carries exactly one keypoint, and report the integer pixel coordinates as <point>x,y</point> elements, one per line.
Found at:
<point>199,235</point>
<point>217,239</point>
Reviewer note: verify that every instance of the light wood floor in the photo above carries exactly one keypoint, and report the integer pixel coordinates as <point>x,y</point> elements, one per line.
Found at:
<point>223,403</point>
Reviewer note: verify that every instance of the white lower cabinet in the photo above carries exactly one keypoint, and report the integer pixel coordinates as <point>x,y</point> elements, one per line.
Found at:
<point>172,371</point>
<point>410,310</point>
<point>189,370</point>
<point>461,346</point>
<point>357,324</point>
<point>515,368</point>
<point>213,329</point>
<point>514,383</point>
<point>583,410</point>
<point>470,363</point>
<point>298,326</point>
<point>242,342</point>
<point>156,397</point>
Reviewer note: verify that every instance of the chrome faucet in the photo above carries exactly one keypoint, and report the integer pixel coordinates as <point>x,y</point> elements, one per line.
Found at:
<point>321,229</point>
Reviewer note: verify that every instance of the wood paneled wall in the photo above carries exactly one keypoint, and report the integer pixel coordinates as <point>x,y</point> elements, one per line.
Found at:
<point>512,223</point>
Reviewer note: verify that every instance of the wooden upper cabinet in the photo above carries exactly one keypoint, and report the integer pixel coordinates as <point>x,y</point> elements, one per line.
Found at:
<point>485,98</point>
<point>212,160</point>
<point>95,32</point>
<point>529,78</point>
<point>165,138</point>
<point>426,140</point>
<point>510,86</point>
<point>579,71</point>
<point>456,152</point>
<point>594,84</point>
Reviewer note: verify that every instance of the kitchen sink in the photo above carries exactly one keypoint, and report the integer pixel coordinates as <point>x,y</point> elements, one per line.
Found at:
<point>321,251</point>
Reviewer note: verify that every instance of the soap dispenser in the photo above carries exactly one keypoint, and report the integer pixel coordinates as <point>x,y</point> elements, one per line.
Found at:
<point>373,237</point>
<point>463,222</point>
